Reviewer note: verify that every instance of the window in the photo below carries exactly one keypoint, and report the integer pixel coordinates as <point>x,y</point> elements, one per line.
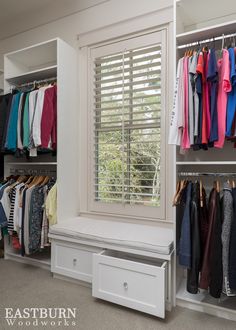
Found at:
<point>127,103</point>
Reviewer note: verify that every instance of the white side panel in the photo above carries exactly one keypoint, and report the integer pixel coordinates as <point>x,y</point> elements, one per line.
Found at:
<point>67,125</point>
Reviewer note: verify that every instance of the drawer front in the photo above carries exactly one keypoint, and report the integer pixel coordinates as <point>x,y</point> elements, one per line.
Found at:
<point>135,285</point>
<point>73,260</point>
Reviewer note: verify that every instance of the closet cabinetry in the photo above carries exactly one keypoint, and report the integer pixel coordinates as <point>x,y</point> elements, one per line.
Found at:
<point>193,27</point>
<point>53,59</point>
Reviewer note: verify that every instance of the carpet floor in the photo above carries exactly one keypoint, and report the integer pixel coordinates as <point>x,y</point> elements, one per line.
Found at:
<point>23,286</point>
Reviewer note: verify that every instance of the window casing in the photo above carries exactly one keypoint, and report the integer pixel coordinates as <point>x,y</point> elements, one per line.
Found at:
<point>127,127</point>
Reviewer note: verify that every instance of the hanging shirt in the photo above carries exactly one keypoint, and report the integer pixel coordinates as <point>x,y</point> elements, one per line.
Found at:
<point>26,126</point>
<point>32,105</point>
<point>20,111</point>
<point>231,104</point>
<point>11,137</point>
<point>51,205</point>
<point>49,121</point>
<point>223,89</point>
<point>212,78</point>
<point>193,77</point>
<point>175,131</point>
<point>190,104</point>
<point>36,125</point>
<point>206,92</point>
<point>185,138</point>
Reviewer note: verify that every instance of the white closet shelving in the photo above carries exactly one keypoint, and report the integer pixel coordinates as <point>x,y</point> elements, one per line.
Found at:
<point>197,21</point>
<point>53,58</point>
<point>1,81</point>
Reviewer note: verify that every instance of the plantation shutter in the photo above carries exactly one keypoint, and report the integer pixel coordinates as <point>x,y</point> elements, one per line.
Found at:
<point>127,90</point>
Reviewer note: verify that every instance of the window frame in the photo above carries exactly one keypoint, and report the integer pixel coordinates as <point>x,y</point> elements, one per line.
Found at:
<point>137,211</point>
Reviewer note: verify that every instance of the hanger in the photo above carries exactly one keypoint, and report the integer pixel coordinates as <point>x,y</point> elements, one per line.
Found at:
<point>45,181</point>
<point>233,184</point>
<point>201,194</point>
<point>218,186</point>
<point>183,184</point>
<point>176,193</point>
<point>223,41</point>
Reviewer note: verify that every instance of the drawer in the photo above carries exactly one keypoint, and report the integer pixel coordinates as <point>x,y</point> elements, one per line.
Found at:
<point>73,260</point>
<point>130,281</point>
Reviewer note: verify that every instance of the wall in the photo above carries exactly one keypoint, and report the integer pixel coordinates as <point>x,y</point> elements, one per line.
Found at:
<point>94,18</point>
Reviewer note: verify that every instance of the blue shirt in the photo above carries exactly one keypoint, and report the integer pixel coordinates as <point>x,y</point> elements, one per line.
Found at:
<point>11,138</point>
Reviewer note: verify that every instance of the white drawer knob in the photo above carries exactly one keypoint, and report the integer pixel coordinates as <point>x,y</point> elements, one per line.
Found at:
<point>74,261</point>
<point>125,284</point>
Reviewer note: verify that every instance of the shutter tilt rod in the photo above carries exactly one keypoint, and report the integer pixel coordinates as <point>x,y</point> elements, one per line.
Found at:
<point>205,174</point>
<point>197,43</point>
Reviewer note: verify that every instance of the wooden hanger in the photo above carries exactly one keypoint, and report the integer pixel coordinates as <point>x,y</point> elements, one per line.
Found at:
<point>218,186</point>
<point>46,179</point>
<point>176,193</point>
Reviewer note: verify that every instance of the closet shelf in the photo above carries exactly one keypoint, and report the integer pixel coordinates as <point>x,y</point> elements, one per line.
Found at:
<point>206,163</point>
<point>44,261</point>
<point>47,72</point>
<point>202,301</point>
<point>206,33</point>
<point>32,163</point>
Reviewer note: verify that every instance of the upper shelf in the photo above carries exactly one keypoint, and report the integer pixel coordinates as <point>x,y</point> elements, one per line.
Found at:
<point>205,33</point>
<point>47,72</point>
<point>31,63</point>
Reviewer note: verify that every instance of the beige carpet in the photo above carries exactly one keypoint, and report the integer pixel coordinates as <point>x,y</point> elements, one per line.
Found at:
<point>25,286</point>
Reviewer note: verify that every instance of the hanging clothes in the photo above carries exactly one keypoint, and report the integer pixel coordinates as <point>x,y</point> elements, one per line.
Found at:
<point>29,121</point>
<point>206,246</point>
<point>204,108</point>
<point>193,272</point>
<point>22,206</point>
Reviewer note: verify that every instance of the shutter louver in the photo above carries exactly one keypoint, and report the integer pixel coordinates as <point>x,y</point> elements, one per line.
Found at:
<point>127,127</point>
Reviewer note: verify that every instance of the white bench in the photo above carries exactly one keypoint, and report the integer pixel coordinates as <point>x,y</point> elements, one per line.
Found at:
<point>128,264</point>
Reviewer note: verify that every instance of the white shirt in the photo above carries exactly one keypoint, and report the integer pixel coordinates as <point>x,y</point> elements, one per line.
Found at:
<point>177,117</point>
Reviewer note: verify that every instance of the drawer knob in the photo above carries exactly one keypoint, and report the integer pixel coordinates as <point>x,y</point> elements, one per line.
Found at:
<point>74,261</point>
<point>125,284</point>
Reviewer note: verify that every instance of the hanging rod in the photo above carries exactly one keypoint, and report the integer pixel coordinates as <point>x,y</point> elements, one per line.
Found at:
<point>37,82</point>
<point>32,171</point>
<point>205,174</point>
<point>196,43</point>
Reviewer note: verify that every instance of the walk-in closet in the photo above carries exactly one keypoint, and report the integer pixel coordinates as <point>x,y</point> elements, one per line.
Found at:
<point>118,164</point>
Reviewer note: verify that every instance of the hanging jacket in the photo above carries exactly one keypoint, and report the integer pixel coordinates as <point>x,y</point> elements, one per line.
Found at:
<point>193,273</point>
<point>232,248</point>
<point>225,236</point>
<point>205,272</point>
<point>204,223</point>
<point>216,269</point>
<point>185,238</point>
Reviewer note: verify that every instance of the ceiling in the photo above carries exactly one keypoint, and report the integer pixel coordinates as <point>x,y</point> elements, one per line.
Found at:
<point>194,12</point>
<point>17,16</point>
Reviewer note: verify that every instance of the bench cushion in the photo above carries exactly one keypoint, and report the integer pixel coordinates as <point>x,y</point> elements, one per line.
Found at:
<point>142,237</point>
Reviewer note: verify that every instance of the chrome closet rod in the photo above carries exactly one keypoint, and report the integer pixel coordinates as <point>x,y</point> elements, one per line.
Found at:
<point>32,171</point>
<point>37,82</point>
<point>195,43</point>
<point>205,174</point>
